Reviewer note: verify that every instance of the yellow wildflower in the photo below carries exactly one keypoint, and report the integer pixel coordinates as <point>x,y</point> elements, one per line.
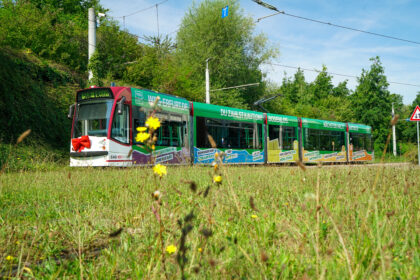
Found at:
<point>9,258</point>
<point>171,249</point>
<point>200,250</point>
<point>142,136</point>
<point>153,123</point>
<point>254,216</point>
<point>141,129</point>
<point>217,179</point>
<point>159,169</point>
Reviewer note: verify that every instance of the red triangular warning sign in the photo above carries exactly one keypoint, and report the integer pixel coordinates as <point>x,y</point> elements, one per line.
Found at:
<point>416,114</point>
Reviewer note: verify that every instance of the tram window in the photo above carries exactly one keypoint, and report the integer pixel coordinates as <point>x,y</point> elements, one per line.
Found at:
<point>120,126</point>
<point>92,119</point>
<point>170,131</point>
<point>323,140</point>
<point>172,128</point>
<point>201,133</point>
<point>368,142</point>
<point>361,141</point>
<point>139,119</point>
<point>285,135</point>
<point>228,134</point>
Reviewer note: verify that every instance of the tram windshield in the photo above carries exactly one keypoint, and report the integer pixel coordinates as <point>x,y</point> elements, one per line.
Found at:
<point>93,118</point>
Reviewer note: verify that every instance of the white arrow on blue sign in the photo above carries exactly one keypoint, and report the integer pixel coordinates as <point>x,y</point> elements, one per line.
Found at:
<point>225,11</point>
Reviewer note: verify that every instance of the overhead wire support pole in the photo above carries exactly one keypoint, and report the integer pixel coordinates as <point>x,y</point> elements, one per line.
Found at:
<point>394,135</point>
<point>91,36</point>
<point>207,81</point>
<point>418,145</point>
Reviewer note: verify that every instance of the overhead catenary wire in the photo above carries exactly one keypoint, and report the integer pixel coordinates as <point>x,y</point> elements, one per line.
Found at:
<point>284,13</point>
<point>332,24</point>
<point>332,73</point>
<point>142,10</point>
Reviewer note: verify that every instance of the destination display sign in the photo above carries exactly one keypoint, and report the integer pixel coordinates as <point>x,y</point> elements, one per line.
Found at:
<point>94,93</point>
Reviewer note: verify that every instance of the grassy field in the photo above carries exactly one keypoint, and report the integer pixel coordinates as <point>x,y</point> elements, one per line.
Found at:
<point>259,223</point>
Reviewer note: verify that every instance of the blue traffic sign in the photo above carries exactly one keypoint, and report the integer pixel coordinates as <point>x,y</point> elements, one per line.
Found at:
<point>225,11</point>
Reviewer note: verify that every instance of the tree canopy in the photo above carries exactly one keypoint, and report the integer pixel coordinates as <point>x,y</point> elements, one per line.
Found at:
<point>235,53</point>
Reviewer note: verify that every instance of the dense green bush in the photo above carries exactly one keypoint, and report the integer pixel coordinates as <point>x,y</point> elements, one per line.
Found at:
<point>35,96</point>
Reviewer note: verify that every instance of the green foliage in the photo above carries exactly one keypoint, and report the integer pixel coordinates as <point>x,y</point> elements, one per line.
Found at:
<point>34,96</point>
<point>410,152</point>
<point>319,99</point>
<point>372,103</point>
<point>116,49</point>
<point>235,52</point>
<point>152,68</point>
<point>55,30</point>
<point>97,68</point>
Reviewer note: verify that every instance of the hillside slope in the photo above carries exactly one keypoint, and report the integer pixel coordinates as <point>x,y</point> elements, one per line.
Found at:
<point>35,94</point>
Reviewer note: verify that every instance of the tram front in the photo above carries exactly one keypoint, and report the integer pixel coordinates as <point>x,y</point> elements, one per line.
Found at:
<point>100,116</point>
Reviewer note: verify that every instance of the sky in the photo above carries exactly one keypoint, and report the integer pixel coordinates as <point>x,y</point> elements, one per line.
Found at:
<point>307,44</point>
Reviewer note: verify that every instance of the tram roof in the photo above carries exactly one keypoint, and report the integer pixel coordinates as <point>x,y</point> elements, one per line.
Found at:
<point>322,124</point>
<point>360,128</point>
<point>226,113</point>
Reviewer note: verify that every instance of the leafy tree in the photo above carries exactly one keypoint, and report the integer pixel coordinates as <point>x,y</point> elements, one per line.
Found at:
<point>296,90</point>
<point>372,102</point>
<point>235,52</point>
<point>117,49</point>
<point>329,102</point>
<point>319,99</point>
<point>322,87</point>
<point>55,30</point>
<point>148,70</point>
